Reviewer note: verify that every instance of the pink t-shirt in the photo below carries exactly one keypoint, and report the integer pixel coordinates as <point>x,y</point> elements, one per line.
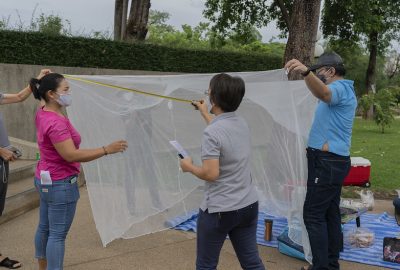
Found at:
<point>53,128</point>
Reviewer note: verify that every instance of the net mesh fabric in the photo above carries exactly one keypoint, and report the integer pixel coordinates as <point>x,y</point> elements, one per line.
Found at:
<point>142,190</point>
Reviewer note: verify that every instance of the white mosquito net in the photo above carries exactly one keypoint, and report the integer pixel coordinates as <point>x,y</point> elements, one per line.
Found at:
<point>143,190</point>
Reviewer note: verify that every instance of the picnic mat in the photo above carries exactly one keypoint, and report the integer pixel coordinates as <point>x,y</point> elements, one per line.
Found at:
<point>383,225</point>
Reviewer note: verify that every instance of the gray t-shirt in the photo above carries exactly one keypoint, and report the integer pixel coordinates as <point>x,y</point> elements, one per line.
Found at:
<point>4,142</point>
<point>227,138</point>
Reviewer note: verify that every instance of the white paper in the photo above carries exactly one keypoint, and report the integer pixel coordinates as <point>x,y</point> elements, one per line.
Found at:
<point>179,148</point>
<point>45,178</point>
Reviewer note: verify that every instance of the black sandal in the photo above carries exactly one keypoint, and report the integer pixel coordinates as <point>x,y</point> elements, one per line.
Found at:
<point>10,264</point>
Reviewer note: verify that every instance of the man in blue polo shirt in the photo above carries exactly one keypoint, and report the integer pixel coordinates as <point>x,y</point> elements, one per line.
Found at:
<point>328,155</point>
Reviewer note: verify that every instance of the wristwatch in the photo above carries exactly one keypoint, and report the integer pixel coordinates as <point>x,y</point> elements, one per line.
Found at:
<point>305,73</point>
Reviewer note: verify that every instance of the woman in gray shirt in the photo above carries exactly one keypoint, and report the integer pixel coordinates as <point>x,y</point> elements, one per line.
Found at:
<point>230,205</point>
<point>6,155</point>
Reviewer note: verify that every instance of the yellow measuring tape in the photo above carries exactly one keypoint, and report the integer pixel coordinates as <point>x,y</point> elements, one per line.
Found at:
<point>127,89</point>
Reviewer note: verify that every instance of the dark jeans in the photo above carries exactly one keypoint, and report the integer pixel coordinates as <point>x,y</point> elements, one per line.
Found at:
<point>4,171</point>
<point>396,203</point>
<point>326,173</point>
<point>240,225</point>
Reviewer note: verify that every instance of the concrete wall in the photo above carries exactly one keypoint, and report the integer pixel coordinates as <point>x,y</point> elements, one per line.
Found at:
<point>19,118</point>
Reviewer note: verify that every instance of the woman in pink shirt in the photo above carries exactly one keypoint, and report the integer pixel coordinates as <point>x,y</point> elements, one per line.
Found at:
<point>58,168</point>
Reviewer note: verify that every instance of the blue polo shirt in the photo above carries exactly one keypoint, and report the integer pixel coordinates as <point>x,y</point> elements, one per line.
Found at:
<point>333,122</point>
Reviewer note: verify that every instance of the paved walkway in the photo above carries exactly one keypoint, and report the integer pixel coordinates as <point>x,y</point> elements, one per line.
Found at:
<point>159,251</point>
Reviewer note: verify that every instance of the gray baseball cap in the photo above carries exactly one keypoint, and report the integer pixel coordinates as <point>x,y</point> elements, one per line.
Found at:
<point>330,59</point>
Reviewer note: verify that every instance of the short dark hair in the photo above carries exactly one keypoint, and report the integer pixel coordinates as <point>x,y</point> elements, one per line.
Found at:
<point>340,70</point>
<point>226,91</point>
<point>50,82</point>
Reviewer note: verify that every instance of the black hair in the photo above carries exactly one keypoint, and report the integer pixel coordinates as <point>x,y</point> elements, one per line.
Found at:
<point>226,91</point>
<point>50,82</point>
<point>340,70</point>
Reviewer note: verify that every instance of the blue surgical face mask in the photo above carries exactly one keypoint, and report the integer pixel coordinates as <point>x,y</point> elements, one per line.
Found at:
<point>64,100</point>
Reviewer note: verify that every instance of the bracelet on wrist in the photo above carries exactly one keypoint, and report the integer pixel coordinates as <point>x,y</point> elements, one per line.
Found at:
<point>105,151</point>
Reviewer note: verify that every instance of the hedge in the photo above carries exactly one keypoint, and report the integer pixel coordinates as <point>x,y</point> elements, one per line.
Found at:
<point>40,49</point>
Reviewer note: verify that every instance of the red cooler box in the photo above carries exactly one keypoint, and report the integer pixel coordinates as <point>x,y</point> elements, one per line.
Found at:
<point>359,173</point>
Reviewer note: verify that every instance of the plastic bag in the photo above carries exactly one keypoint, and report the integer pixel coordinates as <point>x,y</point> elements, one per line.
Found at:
<point>360,237</point>
<point>352,204</point>
<point>367,199</point>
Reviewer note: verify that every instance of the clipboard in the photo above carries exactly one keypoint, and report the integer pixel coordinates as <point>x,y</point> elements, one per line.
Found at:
<point>178,147</point>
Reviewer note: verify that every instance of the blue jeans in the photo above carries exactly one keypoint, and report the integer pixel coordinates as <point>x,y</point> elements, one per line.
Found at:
<point>57,210</point>
<point>240,225</point>
<point>321,213</point>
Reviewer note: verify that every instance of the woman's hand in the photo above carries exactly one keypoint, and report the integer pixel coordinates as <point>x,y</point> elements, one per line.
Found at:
<point>201,106</point>
<point>116,147</point>
<point>187,164</point>
<point>7,155</point>
<point>43,73</point>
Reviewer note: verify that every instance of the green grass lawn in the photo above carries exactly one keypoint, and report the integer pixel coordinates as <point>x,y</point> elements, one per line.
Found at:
<point>383,150</point>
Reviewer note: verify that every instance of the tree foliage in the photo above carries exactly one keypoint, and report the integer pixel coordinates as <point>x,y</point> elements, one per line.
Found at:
<point>354,20</point>
<point>384,101</point>
<point>299,19</point>
<point>233,15</point>
<point>203,36</point>
<point>374,23</point>
<point>51,25</point>
<point>365,103</point>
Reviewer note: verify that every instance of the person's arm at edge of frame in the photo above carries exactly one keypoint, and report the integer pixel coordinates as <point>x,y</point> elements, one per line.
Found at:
<point>24,93</point>
<point>6,154</point>
<point>316,86</point>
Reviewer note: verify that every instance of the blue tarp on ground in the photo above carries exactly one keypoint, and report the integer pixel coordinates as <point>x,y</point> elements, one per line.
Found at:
<point>383,225</point>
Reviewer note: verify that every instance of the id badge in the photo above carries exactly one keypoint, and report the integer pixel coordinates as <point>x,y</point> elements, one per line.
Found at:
<point>73,180</point>
<point>45,178</point>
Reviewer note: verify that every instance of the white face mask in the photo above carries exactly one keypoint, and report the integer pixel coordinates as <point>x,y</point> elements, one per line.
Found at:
<point>64,100</point>
<point>209,104</point>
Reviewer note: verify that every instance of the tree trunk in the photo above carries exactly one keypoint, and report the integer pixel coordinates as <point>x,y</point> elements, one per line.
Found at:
<point>370,80</point>
<point>124,18</point>
<point>137,22</point>
<point>364,114</point>
<point>373,52</point>
<point>303,28</point>
<point>118,19</point>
